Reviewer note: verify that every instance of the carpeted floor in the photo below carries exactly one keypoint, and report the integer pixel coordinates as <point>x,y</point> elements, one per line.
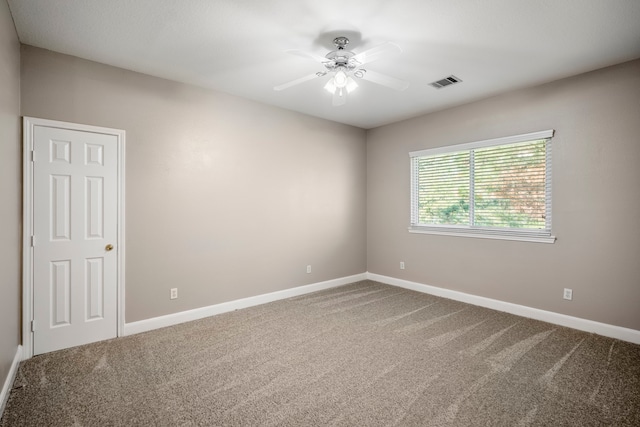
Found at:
<point>365,354</point>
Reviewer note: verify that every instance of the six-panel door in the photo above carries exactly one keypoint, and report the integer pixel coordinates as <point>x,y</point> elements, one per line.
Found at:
<point>75,232</point>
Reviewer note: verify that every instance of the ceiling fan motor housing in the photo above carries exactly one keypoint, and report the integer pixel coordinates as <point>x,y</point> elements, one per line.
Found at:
<point>341,58</point>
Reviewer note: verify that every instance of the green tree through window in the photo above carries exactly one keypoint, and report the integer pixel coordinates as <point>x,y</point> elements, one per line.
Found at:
<point>484,186</point>
<point>509,184</point>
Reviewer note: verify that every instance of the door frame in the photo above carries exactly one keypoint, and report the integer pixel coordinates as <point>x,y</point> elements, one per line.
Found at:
<point>28,124</point>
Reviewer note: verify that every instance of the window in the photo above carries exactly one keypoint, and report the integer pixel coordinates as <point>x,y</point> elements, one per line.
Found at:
<point>499,188</point>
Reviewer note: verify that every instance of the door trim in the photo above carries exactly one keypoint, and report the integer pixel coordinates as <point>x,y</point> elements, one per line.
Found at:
<point>28,124</point>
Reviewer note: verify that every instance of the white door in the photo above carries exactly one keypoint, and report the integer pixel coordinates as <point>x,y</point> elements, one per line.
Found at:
<point>75,215</point>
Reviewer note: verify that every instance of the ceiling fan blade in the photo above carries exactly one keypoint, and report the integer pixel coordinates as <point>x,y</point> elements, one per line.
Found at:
<point>376,53</point>
<point>384,80</point>
<point>298,81</point>
<point>339,97</point>
<point>319,58</point>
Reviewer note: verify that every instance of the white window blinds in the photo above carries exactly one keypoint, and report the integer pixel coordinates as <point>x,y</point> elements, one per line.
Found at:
<point>498,188</point>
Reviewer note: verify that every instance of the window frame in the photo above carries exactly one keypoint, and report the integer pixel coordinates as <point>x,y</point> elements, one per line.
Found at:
<point>527,235</point>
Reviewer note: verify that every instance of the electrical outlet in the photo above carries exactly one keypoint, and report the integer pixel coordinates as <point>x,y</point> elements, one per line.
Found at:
<point>568,294</point>
<point>308,269</point>
<point>401,265</point>
<point>174,293</point>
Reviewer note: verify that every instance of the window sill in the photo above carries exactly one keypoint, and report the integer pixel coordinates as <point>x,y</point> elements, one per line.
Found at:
<point>484,234</point>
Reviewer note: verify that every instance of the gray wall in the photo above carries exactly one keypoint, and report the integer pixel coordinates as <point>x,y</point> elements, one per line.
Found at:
<point>225,198</point>
<point>596,200</point>
<point>228,198</point>
<point>10,192</point>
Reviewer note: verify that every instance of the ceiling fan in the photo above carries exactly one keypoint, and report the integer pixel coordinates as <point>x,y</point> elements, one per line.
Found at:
<point>345,67</point>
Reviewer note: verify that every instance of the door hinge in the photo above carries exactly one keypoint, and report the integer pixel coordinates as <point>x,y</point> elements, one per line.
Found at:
<point>33,155</point>
<point>33,326</point>
<point>33,240</point>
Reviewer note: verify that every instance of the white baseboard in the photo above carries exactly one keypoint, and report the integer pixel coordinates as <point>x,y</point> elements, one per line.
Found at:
<point>8,382</point>
<point>612,331</point>
<point>625,334</point>
<point>199,313</point>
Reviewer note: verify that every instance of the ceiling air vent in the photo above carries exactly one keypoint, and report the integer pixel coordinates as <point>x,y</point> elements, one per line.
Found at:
<point>447,81</point>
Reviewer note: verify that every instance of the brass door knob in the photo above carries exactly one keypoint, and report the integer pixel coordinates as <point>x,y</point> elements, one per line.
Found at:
<point>108,247</point>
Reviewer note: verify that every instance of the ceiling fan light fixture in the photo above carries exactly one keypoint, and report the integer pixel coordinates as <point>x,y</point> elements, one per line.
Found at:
<point>340,79</point>
<point>351,85</point>
<point>330,86</point>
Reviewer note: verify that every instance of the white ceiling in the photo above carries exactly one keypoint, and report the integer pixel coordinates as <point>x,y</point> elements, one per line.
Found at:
<point>238,46</point>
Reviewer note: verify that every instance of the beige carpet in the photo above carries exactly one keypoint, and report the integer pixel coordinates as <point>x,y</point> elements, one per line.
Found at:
<point>365,354</point>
